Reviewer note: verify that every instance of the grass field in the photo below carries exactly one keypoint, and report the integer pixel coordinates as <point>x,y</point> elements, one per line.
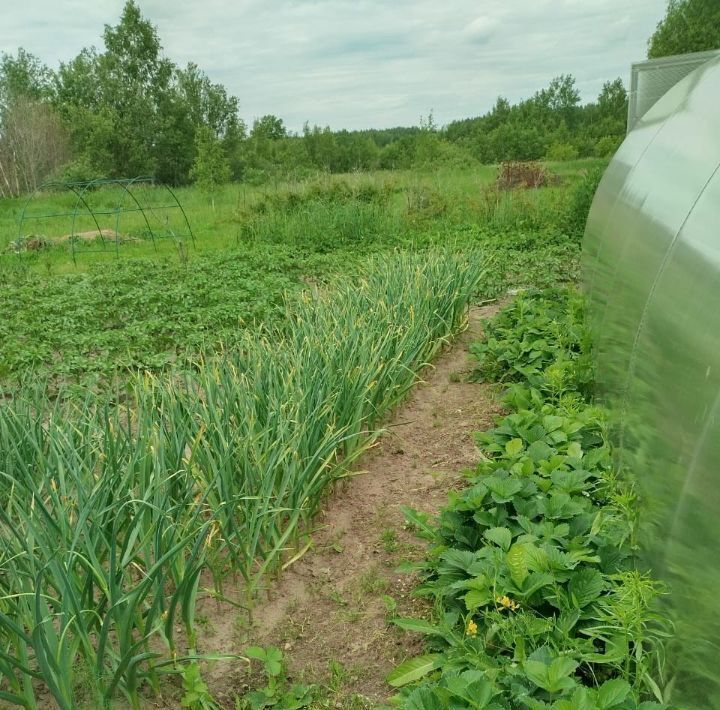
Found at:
<point>285,212</point>
<point>175,410</point>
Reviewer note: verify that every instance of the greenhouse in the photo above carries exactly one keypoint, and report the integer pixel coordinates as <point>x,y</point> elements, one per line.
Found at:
<point>652,271</point>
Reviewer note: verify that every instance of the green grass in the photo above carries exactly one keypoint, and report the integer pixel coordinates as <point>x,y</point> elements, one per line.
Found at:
<point>412,204</point>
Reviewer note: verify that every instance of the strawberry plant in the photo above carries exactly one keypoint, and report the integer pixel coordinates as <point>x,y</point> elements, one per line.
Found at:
<point>531,566</point>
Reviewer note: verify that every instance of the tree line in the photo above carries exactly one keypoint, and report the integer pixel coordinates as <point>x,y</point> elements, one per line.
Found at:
<point>129,110</point>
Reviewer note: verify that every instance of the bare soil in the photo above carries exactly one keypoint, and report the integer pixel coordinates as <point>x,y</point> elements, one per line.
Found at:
<point>329,612</point>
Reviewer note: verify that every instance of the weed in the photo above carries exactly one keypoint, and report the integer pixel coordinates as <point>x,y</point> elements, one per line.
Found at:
<point>336,596</point>
<point>338,676</point>
<point>580,201</point>
<point>351,616</point>
<point>388,539</point>
<point>372,582</point>
<point>196,695</point>
<point>390,604</point>
<point>277,693</point>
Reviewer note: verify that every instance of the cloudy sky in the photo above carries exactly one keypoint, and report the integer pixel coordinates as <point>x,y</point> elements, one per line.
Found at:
<point>363,63</point>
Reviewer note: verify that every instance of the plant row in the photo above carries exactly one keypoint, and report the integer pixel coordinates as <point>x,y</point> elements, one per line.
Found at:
<point>531,570</point>
<point>157,313</point>
<point>117,513</point>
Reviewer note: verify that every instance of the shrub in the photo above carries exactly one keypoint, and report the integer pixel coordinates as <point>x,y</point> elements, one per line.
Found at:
<point>561,152</point>
<point>607,146</point>
<point>80,170</point>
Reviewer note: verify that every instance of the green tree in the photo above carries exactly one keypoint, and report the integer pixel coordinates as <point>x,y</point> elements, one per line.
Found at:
<point>321,146</point>
<point>688,26</point>
<point>134,78</point>
<point>123,86</point>
<point>209,104</point>
<point>560,101</point>
<point>211,167</point>
<point>613,100</point>
<point>427,142</point>
<point>24,75</point>
<point>262,147</point>
<point>268,128</point>
<point>131,111</point>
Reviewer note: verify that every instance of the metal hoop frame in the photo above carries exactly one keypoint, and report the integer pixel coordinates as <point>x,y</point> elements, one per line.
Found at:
<point>83,207</point>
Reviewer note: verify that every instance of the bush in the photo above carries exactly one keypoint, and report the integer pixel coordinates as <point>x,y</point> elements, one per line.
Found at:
<point>561,152</point>
<point>80,170</point>
<point>607,146</point>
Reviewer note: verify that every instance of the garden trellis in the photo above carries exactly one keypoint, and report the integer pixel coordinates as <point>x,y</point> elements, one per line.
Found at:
<point>100,215</point>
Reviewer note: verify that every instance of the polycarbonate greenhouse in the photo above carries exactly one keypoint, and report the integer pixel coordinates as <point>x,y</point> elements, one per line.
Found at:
<point>652,274</point>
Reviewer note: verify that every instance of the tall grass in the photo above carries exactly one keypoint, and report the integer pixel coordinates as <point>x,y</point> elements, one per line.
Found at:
<point>110,510</point>
<point>360,207</point>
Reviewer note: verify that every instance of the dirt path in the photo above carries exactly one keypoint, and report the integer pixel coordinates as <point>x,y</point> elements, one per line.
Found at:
<point>329,612</point>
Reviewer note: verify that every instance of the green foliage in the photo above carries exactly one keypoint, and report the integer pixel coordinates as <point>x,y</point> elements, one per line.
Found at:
<point>551,123</point>
<point>580,201</point>
<point>211,167</point>
<point>115,504</point>
<point>124,85</point>
<point>414,668</point>
<point>561,152</point>
<point>531,565</point>
<point>607,146</point>
<point>152,309</point>
<point>132,112</point>
<point>143,313</point>
<point>82,169</point>
<point>688,26</point>
<point>129,111</point>
<point>196,695</point>
<point>268,128</point>
<point>540,338</point>
<point>24,76</point>
<point>276,693</point>
<point>204,470</point>
<point>323,216</point>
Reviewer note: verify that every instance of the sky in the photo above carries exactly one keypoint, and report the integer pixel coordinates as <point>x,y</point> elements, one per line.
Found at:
<point>363,63</point>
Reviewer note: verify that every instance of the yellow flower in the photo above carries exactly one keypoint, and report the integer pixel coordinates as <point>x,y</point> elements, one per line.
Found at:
<point>471,628</point>
<point>506,603</point>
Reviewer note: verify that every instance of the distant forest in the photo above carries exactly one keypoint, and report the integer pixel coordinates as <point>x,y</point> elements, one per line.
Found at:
<point>129,110</point>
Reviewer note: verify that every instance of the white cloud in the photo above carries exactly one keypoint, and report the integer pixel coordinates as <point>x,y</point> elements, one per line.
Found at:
<point>481,29</point>
<point>360,63</point>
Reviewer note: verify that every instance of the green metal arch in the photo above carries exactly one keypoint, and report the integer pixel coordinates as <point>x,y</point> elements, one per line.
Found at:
<point>83,206</point>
